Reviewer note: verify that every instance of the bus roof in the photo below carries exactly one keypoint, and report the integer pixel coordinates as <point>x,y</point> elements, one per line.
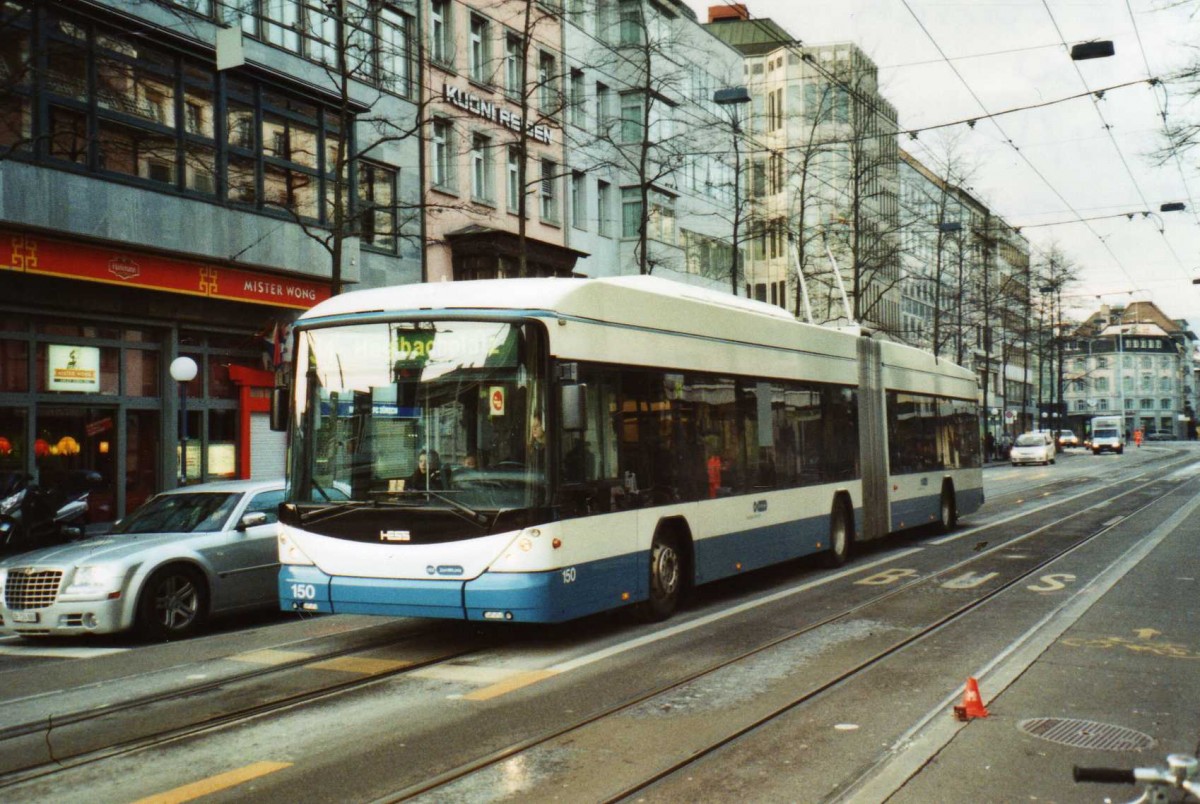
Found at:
<point>641,302</point>
<point>588,298</point>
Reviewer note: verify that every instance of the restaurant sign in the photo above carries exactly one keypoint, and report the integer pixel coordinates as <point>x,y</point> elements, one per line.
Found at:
<point>30,254</point>
<point>72,368</point>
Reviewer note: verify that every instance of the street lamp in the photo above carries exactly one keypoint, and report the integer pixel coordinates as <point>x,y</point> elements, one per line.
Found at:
<point>733,97</point>
<point>183,371</point>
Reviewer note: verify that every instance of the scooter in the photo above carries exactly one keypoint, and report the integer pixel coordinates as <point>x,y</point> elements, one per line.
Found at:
<point>32,517</point>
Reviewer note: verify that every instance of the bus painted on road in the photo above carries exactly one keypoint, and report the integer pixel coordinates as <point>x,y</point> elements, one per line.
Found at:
<point>538,450</point>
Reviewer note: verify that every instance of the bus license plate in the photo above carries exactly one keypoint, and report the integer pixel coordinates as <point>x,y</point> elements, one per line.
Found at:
<point>25,616</point>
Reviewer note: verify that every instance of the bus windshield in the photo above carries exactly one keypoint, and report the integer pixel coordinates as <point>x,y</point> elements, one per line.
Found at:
<point>420,413</point>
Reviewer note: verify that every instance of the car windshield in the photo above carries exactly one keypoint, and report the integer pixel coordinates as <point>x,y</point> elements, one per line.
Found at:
<point>1030,440</point>
<point>180,513</point>
<point>1104,434</point>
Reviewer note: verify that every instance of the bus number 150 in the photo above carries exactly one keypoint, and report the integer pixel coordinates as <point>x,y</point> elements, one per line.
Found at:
<point>304,591</point>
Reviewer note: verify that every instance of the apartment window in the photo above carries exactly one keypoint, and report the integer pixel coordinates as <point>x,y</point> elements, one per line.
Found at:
<point>549,191</point>
<point>660,220</point>
<point>604,208</point>
<point>481,168</point>
<point>578,99</point>
<point>548,83</point>
<point>579,200</point>
<point>775,110</point>
<point>394,48</point>
<point>514,179</point>
<point>148,116</point>
<point>603,108</point>
<point>477,67</point>
<point>630,29</point>
<point>441,165</point>
<point>631,118</point>
<point>377,206</point>
<point>281,26</point>
<point>439,31</point>
<point>631,212</point>
<point>320,35</point>
<point>514,66</point>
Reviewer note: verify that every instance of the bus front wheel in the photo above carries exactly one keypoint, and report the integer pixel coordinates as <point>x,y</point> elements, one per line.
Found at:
<point>666,578</point>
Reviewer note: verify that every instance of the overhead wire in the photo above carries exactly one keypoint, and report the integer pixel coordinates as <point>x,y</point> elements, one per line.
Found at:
<point>1096,97</point>
<point>1010,141</point>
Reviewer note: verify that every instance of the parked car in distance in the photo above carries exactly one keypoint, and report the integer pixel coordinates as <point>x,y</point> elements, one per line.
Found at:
<point>1159,435</point>
<point>1066,438</point>
<point>1032,448</point>
<point>1107,439</point>
<point>185,555</point>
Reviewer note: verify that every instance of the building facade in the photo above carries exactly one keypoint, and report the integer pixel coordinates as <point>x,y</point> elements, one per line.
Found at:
<point>966,293</point>
<point>182,178</point>
<point>821,178</point>
<point>1133,362</point>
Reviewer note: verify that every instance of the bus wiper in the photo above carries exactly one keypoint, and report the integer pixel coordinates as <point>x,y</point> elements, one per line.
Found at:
<point>469,513</point>
<point>325,512</point>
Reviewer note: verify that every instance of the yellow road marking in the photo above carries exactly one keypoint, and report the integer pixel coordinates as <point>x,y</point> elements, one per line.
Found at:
<point>514,683</point>
<point>213,784</point>
<point>270,656</point>
<point>466,673</point>
<point>359,664</point>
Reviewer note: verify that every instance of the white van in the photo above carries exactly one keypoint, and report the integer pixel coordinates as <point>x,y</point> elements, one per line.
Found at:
<point>1107,439</point>
<point>1036,447</point>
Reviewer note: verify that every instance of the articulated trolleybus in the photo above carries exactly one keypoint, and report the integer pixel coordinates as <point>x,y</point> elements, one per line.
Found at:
<point>537,450</point>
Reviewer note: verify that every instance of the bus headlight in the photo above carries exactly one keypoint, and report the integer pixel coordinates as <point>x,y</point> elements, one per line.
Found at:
<point>290,552</point>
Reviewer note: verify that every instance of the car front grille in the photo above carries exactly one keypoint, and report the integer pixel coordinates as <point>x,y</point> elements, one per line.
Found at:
<point>31,588</point>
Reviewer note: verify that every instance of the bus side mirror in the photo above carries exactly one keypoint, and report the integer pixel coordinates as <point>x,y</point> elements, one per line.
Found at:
<point>279,408</point>
<point>573,403</point>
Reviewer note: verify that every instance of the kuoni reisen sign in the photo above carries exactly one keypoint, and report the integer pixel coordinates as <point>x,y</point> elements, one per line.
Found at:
<point>32,254</point>
<point>488,110</point>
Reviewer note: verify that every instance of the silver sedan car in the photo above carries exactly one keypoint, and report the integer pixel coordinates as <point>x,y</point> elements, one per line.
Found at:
<point>186,554</point>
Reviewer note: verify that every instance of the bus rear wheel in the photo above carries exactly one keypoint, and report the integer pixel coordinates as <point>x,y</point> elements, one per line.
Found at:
<point>840,536</point>
<point>666,578</point>
<point>948,510</point>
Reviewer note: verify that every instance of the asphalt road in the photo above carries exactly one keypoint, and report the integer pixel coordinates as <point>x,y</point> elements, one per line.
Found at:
<point>1071,595</point>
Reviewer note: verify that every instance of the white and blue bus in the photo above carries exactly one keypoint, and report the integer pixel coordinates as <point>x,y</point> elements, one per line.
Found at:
<point>538,450</point>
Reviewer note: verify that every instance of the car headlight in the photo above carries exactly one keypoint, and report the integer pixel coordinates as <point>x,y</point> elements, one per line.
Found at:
<point>3,578</point>
<point>94,579</point>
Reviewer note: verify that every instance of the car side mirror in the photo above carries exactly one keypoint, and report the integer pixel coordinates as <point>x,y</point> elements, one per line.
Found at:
<point>252,520</point>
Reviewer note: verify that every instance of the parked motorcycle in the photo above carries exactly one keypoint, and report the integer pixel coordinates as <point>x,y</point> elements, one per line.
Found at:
<point>31,516</point>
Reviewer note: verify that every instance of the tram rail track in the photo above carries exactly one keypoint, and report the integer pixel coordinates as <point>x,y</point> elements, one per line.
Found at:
<point>432,789</point>
<point>183,730</point>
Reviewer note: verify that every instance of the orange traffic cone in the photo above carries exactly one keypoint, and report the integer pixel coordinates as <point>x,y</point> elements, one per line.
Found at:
<point>972,705</point>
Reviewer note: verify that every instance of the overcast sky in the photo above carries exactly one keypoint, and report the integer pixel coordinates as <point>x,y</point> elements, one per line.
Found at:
<point>1053,165</point>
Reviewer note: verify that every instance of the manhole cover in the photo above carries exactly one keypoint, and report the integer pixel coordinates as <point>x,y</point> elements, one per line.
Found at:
<point>1086,734</point>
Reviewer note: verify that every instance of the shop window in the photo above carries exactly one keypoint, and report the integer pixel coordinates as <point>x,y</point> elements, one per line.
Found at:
<point>141,457</point>
<point>193,470</point>
<point>48,326</point>
<point>14,430</point>
<point>219,384</point>
<point>141,372</point>
<point>14,366</point>
<point>222,443</point>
